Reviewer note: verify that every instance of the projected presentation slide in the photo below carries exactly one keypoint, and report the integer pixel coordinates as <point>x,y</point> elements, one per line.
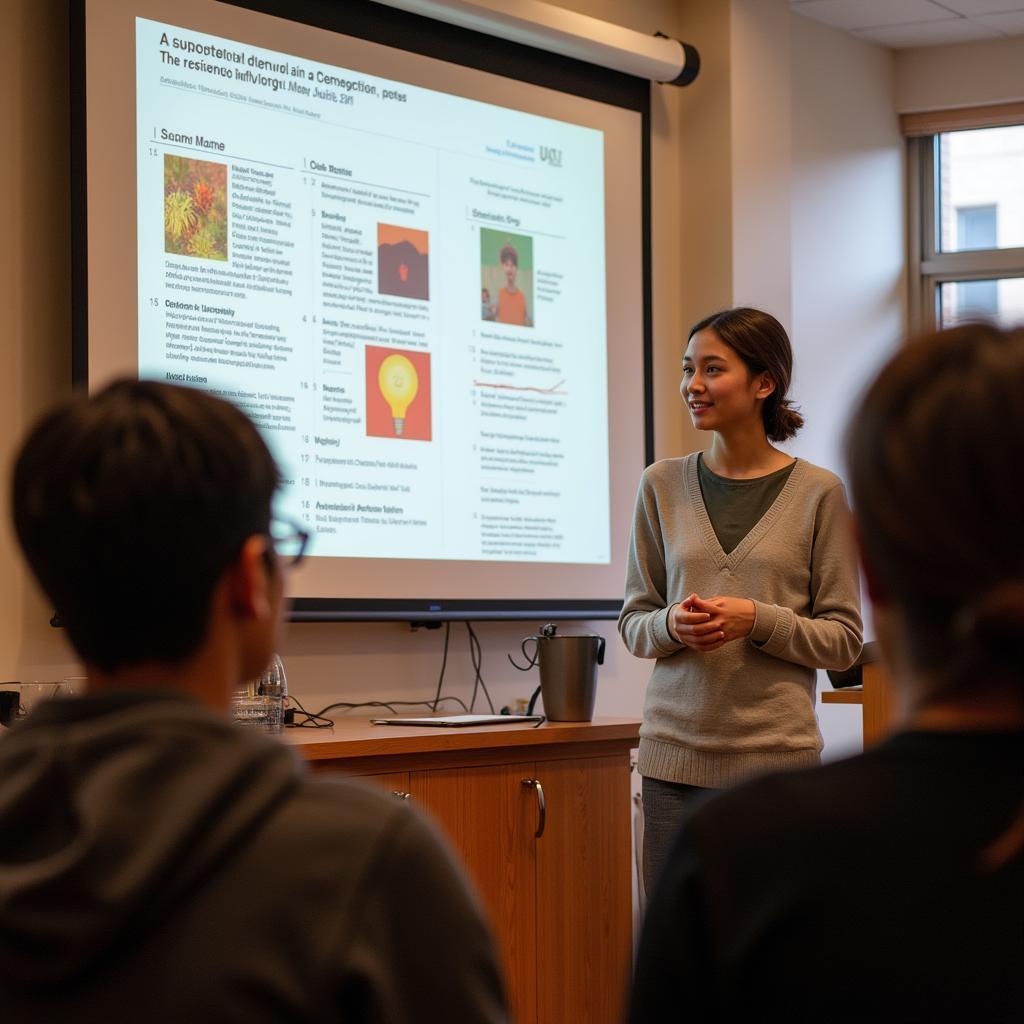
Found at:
<point>405,289</point>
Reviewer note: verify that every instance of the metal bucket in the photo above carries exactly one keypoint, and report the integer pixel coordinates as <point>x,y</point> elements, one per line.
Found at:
<point>568,674</point>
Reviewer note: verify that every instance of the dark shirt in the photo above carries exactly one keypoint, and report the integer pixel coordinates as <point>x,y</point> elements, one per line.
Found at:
<point>854,892</point>
<point>735,507</point>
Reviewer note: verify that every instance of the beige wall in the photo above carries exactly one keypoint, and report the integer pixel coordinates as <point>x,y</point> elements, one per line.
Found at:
<point>762,146</point>
<point>734,156</point>
<point>960,75</point>
<point>847,263</point>
<point>35,313</point>
<point>848,266</point>
<point>703,137</point>
<point>325,661</point>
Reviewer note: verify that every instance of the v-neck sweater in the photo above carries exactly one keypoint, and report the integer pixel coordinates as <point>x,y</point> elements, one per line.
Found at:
<point>714,719</point>
<point>735,506</point>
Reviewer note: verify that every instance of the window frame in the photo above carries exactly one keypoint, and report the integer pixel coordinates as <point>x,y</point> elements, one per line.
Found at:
<point>930,268</point>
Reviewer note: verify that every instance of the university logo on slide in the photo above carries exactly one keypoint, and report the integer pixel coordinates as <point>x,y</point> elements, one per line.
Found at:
<point>550,155</point>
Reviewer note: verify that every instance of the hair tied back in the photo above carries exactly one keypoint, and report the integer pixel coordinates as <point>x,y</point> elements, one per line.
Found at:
<point>995,620</point>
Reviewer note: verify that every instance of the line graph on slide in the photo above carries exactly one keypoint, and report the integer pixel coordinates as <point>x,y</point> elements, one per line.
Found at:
<point>555,389</point>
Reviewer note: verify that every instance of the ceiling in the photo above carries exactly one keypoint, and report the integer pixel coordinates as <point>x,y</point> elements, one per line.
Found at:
<point>902,23</point>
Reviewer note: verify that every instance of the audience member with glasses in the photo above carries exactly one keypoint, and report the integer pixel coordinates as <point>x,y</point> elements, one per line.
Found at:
<point>156,862</point>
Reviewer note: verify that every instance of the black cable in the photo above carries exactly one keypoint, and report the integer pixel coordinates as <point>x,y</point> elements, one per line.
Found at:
<point>311,721</point>
<point>532,701</point>
<point>477,656</point>
<point>444,665</point>
<point>430,705</point>
<point>389,704</point>
<point>531,659</point>
<point>476,675</point>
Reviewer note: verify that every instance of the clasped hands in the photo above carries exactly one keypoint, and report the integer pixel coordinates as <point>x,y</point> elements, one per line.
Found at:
<point>707,624</point>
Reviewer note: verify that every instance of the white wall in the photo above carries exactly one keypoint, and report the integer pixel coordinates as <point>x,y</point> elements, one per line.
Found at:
<point>818,222</point>
<point>35,309</point>
<point>762,156</point>
<point>847,227</point>
<point>325,662</point>
<point>776,180</point>
<point>848,272</point>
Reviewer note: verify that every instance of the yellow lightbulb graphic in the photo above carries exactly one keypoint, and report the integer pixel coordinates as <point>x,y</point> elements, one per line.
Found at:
<point>398,382</point>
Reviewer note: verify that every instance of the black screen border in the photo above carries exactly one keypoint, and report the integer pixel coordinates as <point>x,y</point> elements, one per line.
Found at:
<point>414,33</point>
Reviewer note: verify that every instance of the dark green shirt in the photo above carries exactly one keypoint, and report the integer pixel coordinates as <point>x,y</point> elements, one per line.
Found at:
<point>735,506</point>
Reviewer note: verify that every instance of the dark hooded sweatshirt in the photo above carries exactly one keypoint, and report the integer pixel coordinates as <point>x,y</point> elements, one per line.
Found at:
<point>159,864</point>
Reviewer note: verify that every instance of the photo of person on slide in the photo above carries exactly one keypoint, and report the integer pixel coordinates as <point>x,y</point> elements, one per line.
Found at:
<point>507,269</point>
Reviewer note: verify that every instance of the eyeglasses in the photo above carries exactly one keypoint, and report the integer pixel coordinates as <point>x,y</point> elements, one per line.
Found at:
<point>288,539</point>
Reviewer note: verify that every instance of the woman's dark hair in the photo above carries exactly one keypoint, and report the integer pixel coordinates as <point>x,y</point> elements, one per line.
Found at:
<point>763,345</point>
<point>129,505</point>
<point>935,452</point>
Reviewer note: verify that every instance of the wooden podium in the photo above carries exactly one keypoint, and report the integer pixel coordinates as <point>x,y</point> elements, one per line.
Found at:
<point>542,819</point>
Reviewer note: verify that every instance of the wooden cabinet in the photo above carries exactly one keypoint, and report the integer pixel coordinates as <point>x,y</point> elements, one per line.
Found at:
<point>583,881</point>
<point>561,901</point>
<point>396,783</point>
<point>490,818</point>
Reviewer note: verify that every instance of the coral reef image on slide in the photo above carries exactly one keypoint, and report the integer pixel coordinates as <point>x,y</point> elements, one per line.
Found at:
<point>402,262</point>
<point>195,208</point>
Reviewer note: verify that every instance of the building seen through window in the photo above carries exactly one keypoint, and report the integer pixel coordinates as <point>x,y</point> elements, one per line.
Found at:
<point>972,245</point>
<point>978,221</point>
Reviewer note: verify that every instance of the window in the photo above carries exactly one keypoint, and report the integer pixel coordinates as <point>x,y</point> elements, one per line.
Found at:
<point>967,219</point>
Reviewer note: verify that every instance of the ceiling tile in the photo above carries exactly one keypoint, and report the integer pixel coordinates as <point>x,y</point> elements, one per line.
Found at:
<point>974,7</point>
<point>857,14</point>
<point>1012,23</point>
<point>932,33</point>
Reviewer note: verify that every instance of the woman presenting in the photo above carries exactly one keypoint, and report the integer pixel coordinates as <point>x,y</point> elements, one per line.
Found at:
<point>741,581</point>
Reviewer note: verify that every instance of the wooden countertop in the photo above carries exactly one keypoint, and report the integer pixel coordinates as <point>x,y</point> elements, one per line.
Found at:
<point>353,738</point>
<point>850,695</point>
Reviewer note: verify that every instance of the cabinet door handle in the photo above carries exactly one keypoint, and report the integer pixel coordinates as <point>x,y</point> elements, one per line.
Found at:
<point>542,807</point>
<point>400,795</point>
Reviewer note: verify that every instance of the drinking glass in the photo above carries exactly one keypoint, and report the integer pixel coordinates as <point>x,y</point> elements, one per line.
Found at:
<point>261,713</point>
<point>260,702</point>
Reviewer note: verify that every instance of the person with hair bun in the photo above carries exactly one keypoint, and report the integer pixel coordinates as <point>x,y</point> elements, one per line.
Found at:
<point>888,886</point>
<point>741,582</point>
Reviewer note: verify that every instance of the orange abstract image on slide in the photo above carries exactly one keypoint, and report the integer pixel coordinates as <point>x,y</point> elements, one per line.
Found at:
<point>195,207</point>
<point>398,393</point>
<point>403,262</point>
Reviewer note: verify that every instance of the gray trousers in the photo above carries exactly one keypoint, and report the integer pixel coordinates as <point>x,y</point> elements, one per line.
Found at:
<point>666,805</point>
